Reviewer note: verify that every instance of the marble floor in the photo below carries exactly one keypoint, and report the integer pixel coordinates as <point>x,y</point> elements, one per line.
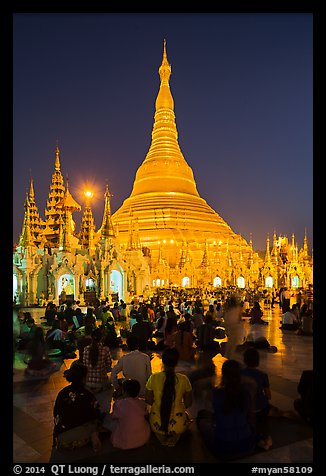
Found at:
<point>33,401</point>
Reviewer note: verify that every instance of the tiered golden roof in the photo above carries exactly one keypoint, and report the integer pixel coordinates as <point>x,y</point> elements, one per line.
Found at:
<point>164,199</point>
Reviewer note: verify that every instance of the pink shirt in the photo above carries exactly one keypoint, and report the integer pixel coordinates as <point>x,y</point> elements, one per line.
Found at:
<point>132,429</point>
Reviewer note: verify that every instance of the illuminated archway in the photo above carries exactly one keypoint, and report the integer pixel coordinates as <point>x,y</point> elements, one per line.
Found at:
<point>90,284</point>
<point>116,282</point>
<point>185,282</point>
<point>269,282</point>
<point>241,282</point>
<point>295,281</point>
<point>217,282</point>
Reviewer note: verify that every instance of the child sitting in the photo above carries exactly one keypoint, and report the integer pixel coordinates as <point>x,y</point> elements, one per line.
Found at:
<point>127,422</point>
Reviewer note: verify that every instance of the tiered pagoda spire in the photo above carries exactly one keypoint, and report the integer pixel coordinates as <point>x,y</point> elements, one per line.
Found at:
<point>87,232</point>
<point>53,212</point>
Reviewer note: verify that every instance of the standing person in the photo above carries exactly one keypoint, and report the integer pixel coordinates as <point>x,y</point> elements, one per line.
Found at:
<point>286,298</point>
<point>169,393</point>
<point>98,360</point>
<point>280,297</point>
<point>76,412</point>
<point>234,328</point>
<point>129,427</point>
<point>134,365</point>
<point>228,431</point>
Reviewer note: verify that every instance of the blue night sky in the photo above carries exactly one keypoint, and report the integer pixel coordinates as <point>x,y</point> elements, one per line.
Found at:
<point>242,85</point>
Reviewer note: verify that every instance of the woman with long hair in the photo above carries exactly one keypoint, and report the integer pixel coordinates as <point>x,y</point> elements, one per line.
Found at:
<point>169,393</point>
<point>97,358</point>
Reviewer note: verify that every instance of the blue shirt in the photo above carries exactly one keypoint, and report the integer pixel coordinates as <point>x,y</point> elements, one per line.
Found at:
<point>262,381</point>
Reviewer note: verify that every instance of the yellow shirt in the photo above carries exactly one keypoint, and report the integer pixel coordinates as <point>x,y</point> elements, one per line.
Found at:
<point>178,419</point>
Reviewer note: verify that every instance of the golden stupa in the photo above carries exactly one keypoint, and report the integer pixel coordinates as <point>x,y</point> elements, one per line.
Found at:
<point>165,211</point>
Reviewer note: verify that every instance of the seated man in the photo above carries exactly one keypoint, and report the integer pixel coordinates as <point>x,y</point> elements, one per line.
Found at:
<point>289,321</point>
<point>134,365</point>
<point>143,330</point>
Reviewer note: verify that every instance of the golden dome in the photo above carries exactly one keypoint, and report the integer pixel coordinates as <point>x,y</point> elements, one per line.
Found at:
<point>164,199</point>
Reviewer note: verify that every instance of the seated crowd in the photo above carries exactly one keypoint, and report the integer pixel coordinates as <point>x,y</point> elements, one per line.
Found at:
<point>158,403</point>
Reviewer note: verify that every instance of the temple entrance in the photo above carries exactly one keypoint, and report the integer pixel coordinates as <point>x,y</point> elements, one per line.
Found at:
<point>241,282</point>
<point>217,282</point>
<point>66,288</point>
<point>295,281</point>
<point>116,283</point>
<point>90,293</point>
<point>269,282</point>
<point>185,283</point>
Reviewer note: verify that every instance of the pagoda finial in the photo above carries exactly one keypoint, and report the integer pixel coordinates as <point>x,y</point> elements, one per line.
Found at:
<point>31,187</point>
<point>57,158</point>
<point>165,68</point>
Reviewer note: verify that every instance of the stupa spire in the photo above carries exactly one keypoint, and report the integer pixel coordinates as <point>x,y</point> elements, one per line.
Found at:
<point>107,226</point>
<point>164,168</point>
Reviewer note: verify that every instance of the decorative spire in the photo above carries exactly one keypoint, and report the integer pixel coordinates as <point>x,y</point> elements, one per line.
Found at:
<point>164,167</point>
<point>57,158</point>
<point>31,188</point>
<point>107,229</point>
<point>86,236</point>
<point>267,255</point>
<point>53,211</point>
<point>25,239</point>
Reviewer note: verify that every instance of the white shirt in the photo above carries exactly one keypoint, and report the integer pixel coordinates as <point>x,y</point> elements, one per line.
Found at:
<point>288,318</point>
<point>135,365</point>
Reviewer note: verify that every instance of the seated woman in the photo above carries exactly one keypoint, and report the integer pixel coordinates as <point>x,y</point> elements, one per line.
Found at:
<point>256,314</point>
<point>169,393</point>
<point>228,431</point>
<point>76,412</point>
<point>127,422</point>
